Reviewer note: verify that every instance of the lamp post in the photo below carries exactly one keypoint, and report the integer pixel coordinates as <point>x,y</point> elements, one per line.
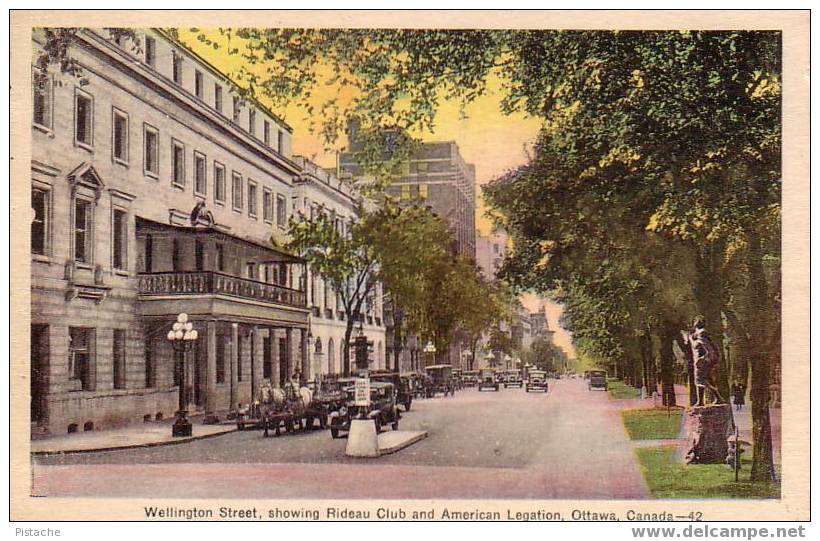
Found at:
<point>182,337</point>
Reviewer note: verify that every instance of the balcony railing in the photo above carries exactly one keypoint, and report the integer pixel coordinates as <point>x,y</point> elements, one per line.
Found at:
<point>216,283</point>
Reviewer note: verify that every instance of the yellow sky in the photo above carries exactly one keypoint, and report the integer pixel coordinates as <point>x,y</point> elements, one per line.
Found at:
<point>490,140</point>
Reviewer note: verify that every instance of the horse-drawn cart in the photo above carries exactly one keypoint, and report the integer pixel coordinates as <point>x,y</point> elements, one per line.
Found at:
<point>277,410</point>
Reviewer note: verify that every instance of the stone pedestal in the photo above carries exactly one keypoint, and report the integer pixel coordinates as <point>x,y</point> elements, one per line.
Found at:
<point>362,440</point>
<point>707,428</point>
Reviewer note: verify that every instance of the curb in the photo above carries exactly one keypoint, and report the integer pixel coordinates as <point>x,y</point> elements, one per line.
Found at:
<point>131,446</point>
<point>406,443</point>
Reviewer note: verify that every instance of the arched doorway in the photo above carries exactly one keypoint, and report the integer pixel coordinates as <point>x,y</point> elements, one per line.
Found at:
<point>318,355</point>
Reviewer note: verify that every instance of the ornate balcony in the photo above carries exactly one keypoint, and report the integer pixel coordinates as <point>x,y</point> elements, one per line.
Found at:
<point>217,283</point>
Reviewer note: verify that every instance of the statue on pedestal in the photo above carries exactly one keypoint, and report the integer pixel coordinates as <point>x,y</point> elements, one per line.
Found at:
<point>706,357</point>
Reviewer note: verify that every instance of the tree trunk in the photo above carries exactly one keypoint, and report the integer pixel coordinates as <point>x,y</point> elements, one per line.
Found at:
<point>346,354</point>
<point>710,295</point>
<point>762,459</point>
<point>667,355</point>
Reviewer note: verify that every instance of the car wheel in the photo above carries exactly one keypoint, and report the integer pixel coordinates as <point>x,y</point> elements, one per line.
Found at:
<point>395,425</point>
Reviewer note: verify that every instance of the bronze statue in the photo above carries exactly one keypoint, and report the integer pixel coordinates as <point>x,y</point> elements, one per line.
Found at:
<point>706,357</point>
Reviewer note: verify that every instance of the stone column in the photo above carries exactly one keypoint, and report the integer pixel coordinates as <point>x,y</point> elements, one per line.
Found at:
<point>210,376</point>
<point>288,352</point>
<point>256,362</point>
<point>303,353</point>
<point>274,357</point>
<point>234,365</point>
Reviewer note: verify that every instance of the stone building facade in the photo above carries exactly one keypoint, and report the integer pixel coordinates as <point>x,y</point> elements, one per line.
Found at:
<point>156,190</point>
<point>317,191</point>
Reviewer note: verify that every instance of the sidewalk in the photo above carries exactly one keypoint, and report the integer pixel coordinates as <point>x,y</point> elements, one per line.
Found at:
<point>137,435</point>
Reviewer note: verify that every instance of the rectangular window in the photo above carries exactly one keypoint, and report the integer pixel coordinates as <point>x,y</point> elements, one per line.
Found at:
<point>177,69</point>
<point>120,239</point>
<point>150,51</point>
<point>251,270</point>
<point>405,191</point>
<point>42,98</point>
<point>236,109</point>
<point>267,132</point>
<point>151,150</point>
<point>119,144</point>
<point>198,84</point>
<point>176,261</point>
<point>200,172</point>
<point>83,120</point>
<point>150,364</point>
<point>199,255</point>
<point>178,163</point>
<point>252,122</point>
<point>251,198</point>
<point>281,211</point>
<point>119,358</point>
<point>219,182</point>
<point>237,191</point>
<point>217,97</point>
<point>81,356</point>
<point>40,204</point>
<point>423,191</point>
<point>267,205</point>
<point>220,257</point>
<point>280,142</point>
<point>82,231</point>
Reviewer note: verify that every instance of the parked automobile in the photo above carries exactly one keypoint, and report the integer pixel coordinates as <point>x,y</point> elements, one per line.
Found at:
<point>441,380</point>
<point>382,409</point>
<point>537,381</point>
<point>328,396</point>
<point>471,378</point>
<point>597,380</point>
<point>487,380</point>
<point>513,378</point>
<point>404,393</point>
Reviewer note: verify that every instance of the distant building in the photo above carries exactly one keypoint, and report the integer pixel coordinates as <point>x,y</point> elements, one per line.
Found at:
<point>540,325</point>
<point>438,175</point>
<point>490,253</point>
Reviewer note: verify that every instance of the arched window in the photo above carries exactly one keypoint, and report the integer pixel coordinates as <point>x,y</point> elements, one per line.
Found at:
<point>331,357</point>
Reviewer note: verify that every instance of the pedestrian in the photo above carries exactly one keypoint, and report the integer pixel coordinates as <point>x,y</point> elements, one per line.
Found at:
<point>739,395</point>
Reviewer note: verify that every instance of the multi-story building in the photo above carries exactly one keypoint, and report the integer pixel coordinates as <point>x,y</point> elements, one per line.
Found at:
<point>490,253</point>
<point>155,189</point>
<point>540,325</point>
<point>438,175</point>
<point>315,192</point>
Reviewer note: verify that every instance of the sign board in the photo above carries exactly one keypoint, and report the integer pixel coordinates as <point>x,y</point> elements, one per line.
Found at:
<point>361,392</point>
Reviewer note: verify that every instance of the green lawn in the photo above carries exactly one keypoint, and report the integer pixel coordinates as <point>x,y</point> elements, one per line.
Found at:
<point>620,390</point>
<point>668,478</point>
<point>652,424</point>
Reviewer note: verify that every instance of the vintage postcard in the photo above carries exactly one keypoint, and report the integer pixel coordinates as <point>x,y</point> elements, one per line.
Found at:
<point>466,266</point>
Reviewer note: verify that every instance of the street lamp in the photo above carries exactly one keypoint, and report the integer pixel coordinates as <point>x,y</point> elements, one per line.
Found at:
<point>182,337</point>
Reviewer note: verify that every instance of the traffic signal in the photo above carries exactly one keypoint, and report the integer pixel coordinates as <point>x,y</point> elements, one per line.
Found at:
<point>361,352</point>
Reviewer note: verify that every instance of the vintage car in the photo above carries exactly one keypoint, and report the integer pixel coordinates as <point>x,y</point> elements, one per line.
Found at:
<point>382,409</point>
<point>537,381</point>
<point>328,396</point>
<point>487,380</point>
<point>597,380</point>
<point>404,392</point>
<point>440,380</point>
<point>512,378</point>
<point>471,378</point>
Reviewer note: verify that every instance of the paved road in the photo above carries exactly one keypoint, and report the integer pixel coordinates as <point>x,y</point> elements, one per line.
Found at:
<point>511,444</point>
